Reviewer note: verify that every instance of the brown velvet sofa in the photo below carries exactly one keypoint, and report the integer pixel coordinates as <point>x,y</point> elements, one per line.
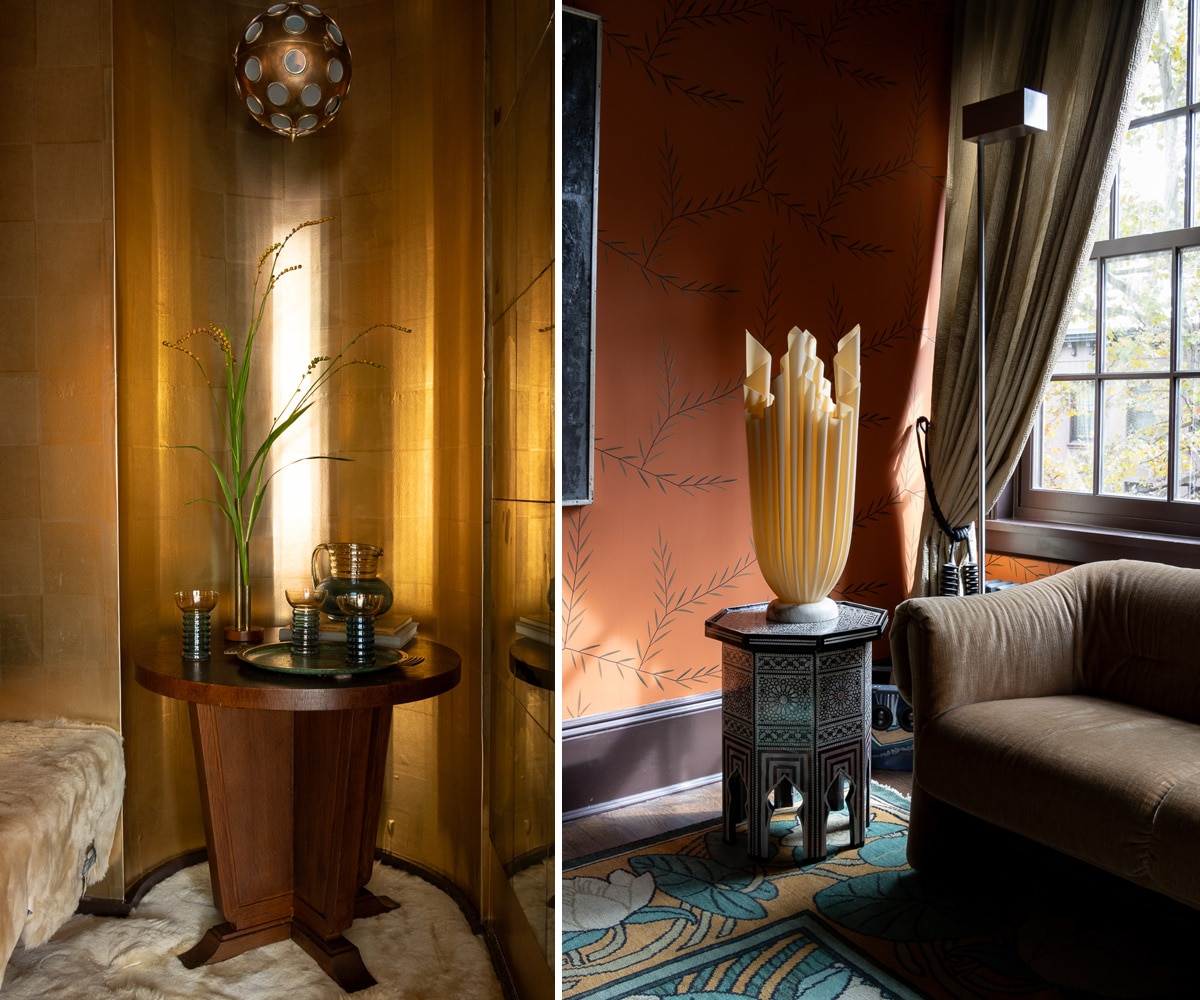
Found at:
<point>1066,711</point>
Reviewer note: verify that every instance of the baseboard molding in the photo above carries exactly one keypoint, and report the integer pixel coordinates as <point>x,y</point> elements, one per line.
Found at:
<point>617,758</point>
<point>632,800</point>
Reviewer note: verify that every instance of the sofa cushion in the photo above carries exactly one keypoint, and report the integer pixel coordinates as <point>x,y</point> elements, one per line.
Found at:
<point>1139,624</point>
<point>1080,774</point>
<point>1173,842</point>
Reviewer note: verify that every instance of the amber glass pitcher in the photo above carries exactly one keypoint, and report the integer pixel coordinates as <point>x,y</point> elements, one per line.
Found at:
<point>352,569</point>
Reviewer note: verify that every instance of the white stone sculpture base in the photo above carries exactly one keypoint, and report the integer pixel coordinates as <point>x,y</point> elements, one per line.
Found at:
<point>797,614</point>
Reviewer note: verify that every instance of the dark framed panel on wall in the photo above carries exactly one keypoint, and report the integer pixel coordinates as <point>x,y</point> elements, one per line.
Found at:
<point>581,35</point>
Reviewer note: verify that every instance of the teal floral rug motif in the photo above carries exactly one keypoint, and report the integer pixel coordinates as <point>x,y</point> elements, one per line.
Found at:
<point>695,917</point>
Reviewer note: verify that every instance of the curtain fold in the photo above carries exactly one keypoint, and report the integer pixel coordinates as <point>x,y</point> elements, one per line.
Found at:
<point>1041,194</point>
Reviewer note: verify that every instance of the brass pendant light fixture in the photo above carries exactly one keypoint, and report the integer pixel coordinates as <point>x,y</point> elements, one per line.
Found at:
<point>292,68</point>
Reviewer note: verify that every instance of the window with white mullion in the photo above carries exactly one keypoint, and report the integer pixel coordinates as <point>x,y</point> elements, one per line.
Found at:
<point>1187,451</point>
<point>1115,444</point>
<point>1173,387</point>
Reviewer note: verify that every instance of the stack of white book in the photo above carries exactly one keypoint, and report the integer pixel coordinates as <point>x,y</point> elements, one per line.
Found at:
<point>537,628</point>
<point>387,633</point>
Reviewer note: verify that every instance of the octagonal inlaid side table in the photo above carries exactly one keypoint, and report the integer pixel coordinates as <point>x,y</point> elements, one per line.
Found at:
<point>795,714</point>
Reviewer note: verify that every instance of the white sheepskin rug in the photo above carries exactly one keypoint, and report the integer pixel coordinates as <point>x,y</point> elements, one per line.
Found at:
<point>423,950</point>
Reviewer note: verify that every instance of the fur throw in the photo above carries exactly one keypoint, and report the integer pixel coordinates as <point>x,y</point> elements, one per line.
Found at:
<point>61,786</point>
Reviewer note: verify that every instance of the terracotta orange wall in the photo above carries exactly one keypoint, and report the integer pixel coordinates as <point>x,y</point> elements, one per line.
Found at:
<point>758,170</point>
<point>1019,569</point>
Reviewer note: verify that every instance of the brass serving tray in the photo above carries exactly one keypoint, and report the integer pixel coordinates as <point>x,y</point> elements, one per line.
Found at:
<point>328,661</point>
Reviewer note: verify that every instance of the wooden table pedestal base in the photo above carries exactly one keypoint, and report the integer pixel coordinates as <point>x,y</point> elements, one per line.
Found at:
<point>291,804</point>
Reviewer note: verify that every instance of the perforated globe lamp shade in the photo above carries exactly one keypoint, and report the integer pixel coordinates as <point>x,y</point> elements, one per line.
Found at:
<point>292,69</point>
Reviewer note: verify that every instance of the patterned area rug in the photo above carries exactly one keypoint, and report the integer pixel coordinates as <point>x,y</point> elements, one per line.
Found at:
<point>695,917</point>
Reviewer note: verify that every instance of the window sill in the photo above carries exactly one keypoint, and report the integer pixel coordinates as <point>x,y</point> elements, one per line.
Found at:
<point>1078,544</point>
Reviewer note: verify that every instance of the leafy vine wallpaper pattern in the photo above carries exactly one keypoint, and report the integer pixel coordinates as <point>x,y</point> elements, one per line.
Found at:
<point>763,165</point>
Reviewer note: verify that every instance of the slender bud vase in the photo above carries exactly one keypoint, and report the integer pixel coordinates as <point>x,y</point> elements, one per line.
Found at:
<point>240,630</point>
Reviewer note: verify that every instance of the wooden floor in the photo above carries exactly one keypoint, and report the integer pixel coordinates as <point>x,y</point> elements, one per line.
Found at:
<point>664,814</point>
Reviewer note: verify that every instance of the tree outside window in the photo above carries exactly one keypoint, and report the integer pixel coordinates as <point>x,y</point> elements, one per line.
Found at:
<point>1118,422</point>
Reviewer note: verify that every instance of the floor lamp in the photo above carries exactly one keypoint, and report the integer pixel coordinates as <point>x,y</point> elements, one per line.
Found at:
<point>997,119</point>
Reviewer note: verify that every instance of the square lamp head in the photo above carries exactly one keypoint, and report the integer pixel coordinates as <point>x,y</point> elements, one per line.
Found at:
<point>1008,116</point>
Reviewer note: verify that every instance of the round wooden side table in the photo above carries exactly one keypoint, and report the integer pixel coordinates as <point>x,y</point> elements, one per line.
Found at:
<point>291,773</point>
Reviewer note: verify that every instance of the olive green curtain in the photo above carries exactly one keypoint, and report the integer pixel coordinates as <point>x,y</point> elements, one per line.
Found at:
<point>1040,196</point>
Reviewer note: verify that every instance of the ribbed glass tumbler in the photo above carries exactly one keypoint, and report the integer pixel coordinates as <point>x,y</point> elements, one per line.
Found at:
<point>196,606</point>
<point>306,619</point>
<point>360,611</point>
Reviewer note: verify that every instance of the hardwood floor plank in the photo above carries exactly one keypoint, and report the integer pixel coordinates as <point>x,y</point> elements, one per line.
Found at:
<point>606,831</point>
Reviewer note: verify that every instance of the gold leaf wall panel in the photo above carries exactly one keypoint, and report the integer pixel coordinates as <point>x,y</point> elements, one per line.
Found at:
<point>58,485</point>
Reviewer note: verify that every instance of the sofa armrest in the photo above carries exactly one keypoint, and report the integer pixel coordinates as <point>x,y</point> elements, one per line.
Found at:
<point>1016,643</point>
